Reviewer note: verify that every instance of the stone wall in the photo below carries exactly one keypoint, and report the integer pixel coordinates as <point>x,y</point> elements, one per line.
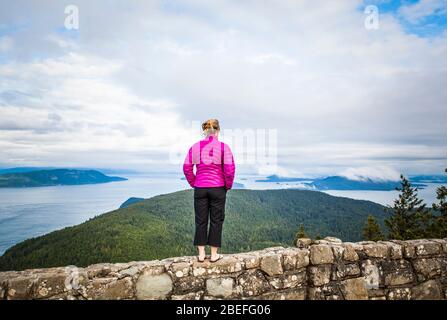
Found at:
<point>323,269</point>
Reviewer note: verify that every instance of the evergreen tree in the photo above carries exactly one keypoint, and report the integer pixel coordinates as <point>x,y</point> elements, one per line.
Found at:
<point>441,207</point>
<point>300,233</point>
<point>410,219</point>
<point>371,230</point>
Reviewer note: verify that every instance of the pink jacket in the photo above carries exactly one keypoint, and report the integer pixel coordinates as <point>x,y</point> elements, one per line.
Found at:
<point>214,164</point>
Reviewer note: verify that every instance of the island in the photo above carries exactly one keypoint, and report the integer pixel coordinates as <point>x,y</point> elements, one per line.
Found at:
<point>54,177</point>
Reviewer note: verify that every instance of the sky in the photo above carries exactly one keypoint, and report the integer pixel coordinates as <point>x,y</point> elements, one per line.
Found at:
<point>129,86</point>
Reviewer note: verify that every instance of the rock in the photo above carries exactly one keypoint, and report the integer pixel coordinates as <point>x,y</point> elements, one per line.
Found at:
<point>376,293</point>
<point>329,291</point>
<point>397,272</point>
<point>130,272</point>
<point>332,239</point>
<point>271,264</point>
<point>295,258</point>
<point>180,269</point>
<point>320,275</point>
<point>189,296</point>
<point>394,249</point>
<point>350,254</point>
<point>49,284</point>
<point>286,281</point>
<point>343,270</point>
<point>252,283</point>
<point>428,267</point>
<point>303,242</point>
<point>399,294</point>
<point>220,287</point>
<point>376,250</point>
<point>409,250</point>
<point>110,289</point>
<point>291,294</point>
<point>371,274</point>
<point>250,261</point>
<point>227,264</point>
<point>20,288</point>
<point>188,284</point>
<point>100,270</point>
<point>354,289</point>
<point>154,268</point>
<point>427,248</point>
<point>443,243</point>
<point>429,290</point>
<point>150,287</point>
<point>338,252</point>
<point>321,254</point>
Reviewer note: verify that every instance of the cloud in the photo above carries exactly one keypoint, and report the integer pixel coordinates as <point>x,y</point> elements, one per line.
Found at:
<point>129,82</point>
<point>381,173</point>
<point>417,12</point>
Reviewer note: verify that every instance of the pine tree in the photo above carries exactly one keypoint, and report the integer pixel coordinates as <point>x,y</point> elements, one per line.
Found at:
<point>410,219</point>
<point>371,230</point>
<point>441,207</point>
<point>300,233</point>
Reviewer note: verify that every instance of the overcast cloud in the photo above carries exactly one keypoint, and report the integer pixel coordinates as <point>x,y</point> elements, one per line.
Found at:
<point>124,89</point>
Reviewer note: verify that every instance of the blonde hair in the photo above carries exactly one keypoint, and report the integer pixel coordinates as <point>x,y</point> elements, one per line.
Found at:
<point>210,126</point>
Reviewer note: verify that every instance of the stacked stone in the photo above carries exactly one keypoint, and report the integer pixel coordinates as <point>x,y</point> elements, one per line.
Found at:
<point>323,269</point>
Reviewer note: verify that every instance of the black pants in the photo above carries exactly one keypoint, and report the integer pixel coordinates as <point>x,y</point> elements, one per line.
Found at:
<point>209,204</point>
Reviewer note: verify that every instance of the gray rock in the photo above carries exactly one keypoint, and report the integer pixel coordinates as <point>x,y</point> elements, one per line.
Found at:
<point>220,287</point>
<point>286,281</point>
<point>295,258</point>
<point>252,283</point>
<point>188,284</point>
<point>151,287</point>
<point>321,254</point>
<point>110,289</point>
<point>343,270</point>
<point>189,296</point>
<point>290,294</point>
<point>354,289</point>
<point>428,267</point>
<point>320,275</point>
<point>350,254</point>
<point>330,291</point>
<point>397,272</point>
<point>332,239</point>
<point>303,242</point>
<point>399,294</point>
<point>371,274</point>
<point>271,264</point>
<point>429,290</point>
<point>376,250</point>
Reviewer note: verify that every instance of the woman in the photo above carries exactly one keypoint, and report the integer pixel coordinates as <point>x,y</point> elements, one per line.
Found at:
<point>213,178</point>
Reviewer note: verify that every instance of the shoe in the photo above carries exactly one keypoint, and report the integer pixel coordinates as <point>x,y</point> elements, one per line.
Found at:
<point>219,256</point>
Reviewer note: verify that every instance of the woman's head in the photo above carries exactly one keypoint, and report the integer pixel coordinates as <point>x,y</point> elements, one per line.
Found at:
<point>210,127</point>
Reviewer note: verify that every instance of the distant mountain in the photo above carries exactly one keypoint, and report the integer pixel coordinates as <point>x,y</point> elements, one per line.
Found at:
<point>24,169</point>
<point>163,226</point>
<point>54,177</point>
<point>130,201</point>
<point>342,183</point>
<point>429,179</point>
<point>276,178</point>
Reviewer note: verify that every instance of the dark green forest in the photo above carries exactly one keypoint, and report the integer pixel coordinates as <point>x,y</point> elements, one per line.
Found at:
<point>54,177</point>
<point>163,226</point>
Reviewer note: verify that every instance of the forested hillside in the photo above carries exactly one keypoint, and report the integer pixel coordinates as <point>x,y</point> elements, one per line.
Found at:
<point>163,226</point>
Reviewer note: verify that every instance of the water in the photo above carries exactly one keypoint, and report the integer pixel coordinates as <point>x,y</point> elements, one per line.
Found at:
<point>31,212</point>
